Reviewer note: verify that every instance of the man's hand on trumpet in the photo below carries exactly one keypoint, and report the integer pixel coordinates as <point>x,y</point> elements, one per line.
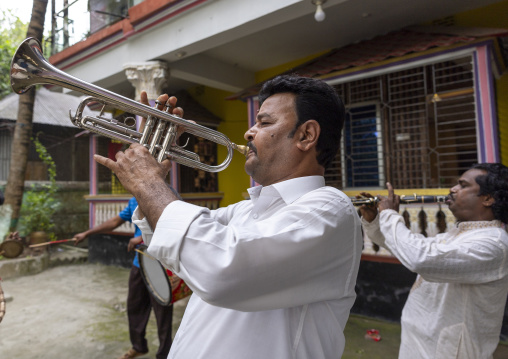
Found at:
<point>141,174</point>
<point>162,99</point>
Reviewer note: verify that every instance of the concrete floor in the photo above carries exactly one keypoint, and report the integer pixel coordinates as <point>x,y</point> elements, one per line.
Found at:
<point>78,311</point>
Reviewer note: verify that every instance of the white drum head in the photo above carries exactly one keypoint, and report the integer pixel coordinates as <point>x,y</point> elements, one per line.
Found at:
<point>155,277</point>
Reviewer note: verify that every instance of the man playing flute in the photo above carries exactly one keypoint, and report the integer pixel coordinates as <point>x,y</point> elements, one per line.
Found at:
<point>455,308</point>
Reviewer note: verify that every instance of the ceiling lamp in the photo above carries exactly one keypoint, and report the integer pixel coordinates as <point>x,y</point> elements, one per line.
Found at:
<point>320,14</point>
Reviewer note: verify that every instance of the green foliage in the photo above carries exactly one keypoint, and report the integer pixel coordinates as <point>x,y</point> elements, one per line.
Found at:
<point>12,33</point>
<point>39,204</point>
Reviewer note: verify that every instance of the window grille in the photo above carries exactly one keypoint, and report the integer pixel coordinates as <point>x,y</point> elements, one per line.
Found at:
<point>362,147</point>
<point>407,135</point>
<point>418,125</point>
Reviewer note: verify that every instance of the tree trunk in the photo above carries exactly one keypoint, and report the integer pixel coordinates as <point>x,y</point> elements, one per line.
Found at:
<point>23,130</point>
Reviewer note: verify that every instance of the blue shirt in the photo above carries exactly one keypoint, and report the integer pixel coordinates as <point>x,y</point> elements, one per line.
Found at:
<point>126,215</point>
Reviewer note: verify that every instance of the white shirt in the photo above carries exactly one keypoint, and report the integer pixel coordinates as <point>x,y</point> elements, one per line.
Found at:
<point>455,308</point>
<point>273,277</point>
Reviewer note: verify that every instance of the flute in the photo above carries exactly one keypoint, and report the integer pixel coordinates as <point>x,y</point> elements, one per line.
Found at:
<point>404,199</point>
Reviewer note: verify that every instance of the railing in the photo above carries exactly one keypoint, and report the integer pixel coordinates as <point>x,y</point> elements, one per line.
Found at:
<point>104,207</point>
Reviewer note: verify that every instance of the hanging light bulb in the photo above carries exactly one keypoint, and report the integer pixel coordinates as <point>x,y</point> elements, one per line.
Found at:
<point>320,14</point>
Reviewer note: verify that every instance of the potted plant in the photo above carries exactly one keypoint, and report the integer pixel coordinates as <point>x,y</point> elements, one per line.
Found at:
<point>39,203</point>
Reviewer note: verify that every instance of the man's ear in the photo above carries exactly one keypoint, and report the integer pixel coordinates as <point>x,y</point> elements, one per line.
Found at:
<point>308,135</point>
<point>488,200</point>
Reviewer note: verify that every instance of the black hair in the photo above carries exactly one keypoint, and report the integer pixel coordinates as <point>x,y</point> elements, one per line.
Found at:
<point>495,183</point>
<point>1,197</point>
<point>315,100</point>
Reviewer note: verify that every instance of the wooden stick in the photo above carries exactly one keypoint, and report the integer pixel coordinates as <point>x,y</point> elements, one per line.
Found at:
<point>146,254</point>
<point>52,242</point>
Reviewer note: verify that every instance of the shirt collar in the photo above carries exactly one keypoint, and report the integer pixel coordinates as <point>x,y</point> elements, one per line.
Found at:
<point>468,226</point>
<point>289,190</point>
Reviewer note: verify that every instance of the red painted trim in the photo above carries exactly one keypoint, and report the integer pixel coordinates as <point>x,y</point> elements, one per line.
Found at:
<point>93,39</point>
<point>173,14</point>
<point>148,8</point>
<point>381,259</point>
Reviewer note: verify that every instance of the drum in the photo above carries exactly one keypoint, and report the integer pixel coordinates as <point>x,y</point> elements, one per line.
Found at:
<point>11,248</point>
<point>165,286</point>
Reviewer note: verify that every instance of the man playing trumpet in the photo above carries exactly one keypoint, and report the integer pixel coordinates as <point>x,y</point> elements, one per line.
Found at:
<point>455,308</point>
<point>273,276</point>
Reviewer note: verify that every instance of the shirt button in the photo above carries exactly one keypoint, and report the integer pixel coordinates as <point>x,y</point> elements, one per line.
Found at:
<point>255,216</point>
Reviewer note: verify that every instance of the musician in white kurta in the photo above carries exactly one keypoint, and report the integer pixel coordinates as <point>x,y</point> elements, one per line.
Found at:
<point>273,277</point>
<point>455,308</point>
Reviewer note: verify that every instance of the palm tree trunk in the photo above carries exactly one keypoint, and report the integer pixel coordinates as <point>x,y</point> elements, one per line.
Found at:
<point>23,130</point>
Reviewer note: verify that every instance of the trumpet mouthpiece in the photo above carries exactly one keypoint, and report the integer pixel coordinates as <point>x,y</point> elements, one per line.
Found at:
<point>242,149</point>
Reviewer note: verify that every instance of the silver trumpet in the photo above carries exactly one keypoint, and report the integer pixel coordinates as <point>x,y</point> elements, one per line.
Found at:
<point>30,68</point>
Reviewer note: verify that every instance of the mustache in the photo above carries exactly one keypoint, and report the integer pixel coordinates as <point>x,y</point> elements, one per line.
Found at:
<point>252,147</point>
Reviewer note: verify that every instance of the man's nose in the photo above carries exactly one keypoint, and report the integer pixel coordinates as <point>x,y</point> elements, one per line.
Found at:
<point>250,134</point>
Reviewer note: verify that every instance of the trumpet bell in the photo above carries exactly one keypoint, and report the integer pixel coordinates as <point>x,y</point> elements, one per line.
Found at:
<point>24,68</point>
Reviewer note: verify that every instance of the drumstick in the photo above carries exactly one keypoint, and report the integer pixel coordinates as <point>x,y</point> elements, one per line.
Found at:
<point>146,254</point>
<point>52,242</point>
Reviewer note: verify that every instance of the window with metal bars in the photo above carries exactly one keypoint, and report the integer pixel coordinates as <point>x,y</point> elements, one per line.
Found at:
<point>361,147</point>
<point>415,128</point>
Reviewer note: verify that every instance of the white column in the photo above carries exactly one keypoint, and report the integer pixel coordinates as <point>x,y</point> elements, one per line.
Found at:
<point>147,76</point>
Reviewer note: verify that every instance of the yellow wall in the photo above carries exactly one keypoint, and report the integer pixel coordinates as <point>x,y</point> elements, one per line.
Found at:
<point>489,16</point>
<point>274,71</point>
<point>502,116</point>
<point>233,181</point>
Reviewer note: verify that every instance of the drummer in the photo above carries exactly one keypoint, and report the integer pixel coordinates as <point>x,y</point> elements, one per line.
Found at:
<point>139,300</point>
<point>274,276</point>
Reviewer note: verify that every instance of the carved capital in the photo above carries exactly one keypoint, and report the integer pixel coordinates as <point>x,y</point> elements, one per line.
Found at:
<point>148,76</point>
